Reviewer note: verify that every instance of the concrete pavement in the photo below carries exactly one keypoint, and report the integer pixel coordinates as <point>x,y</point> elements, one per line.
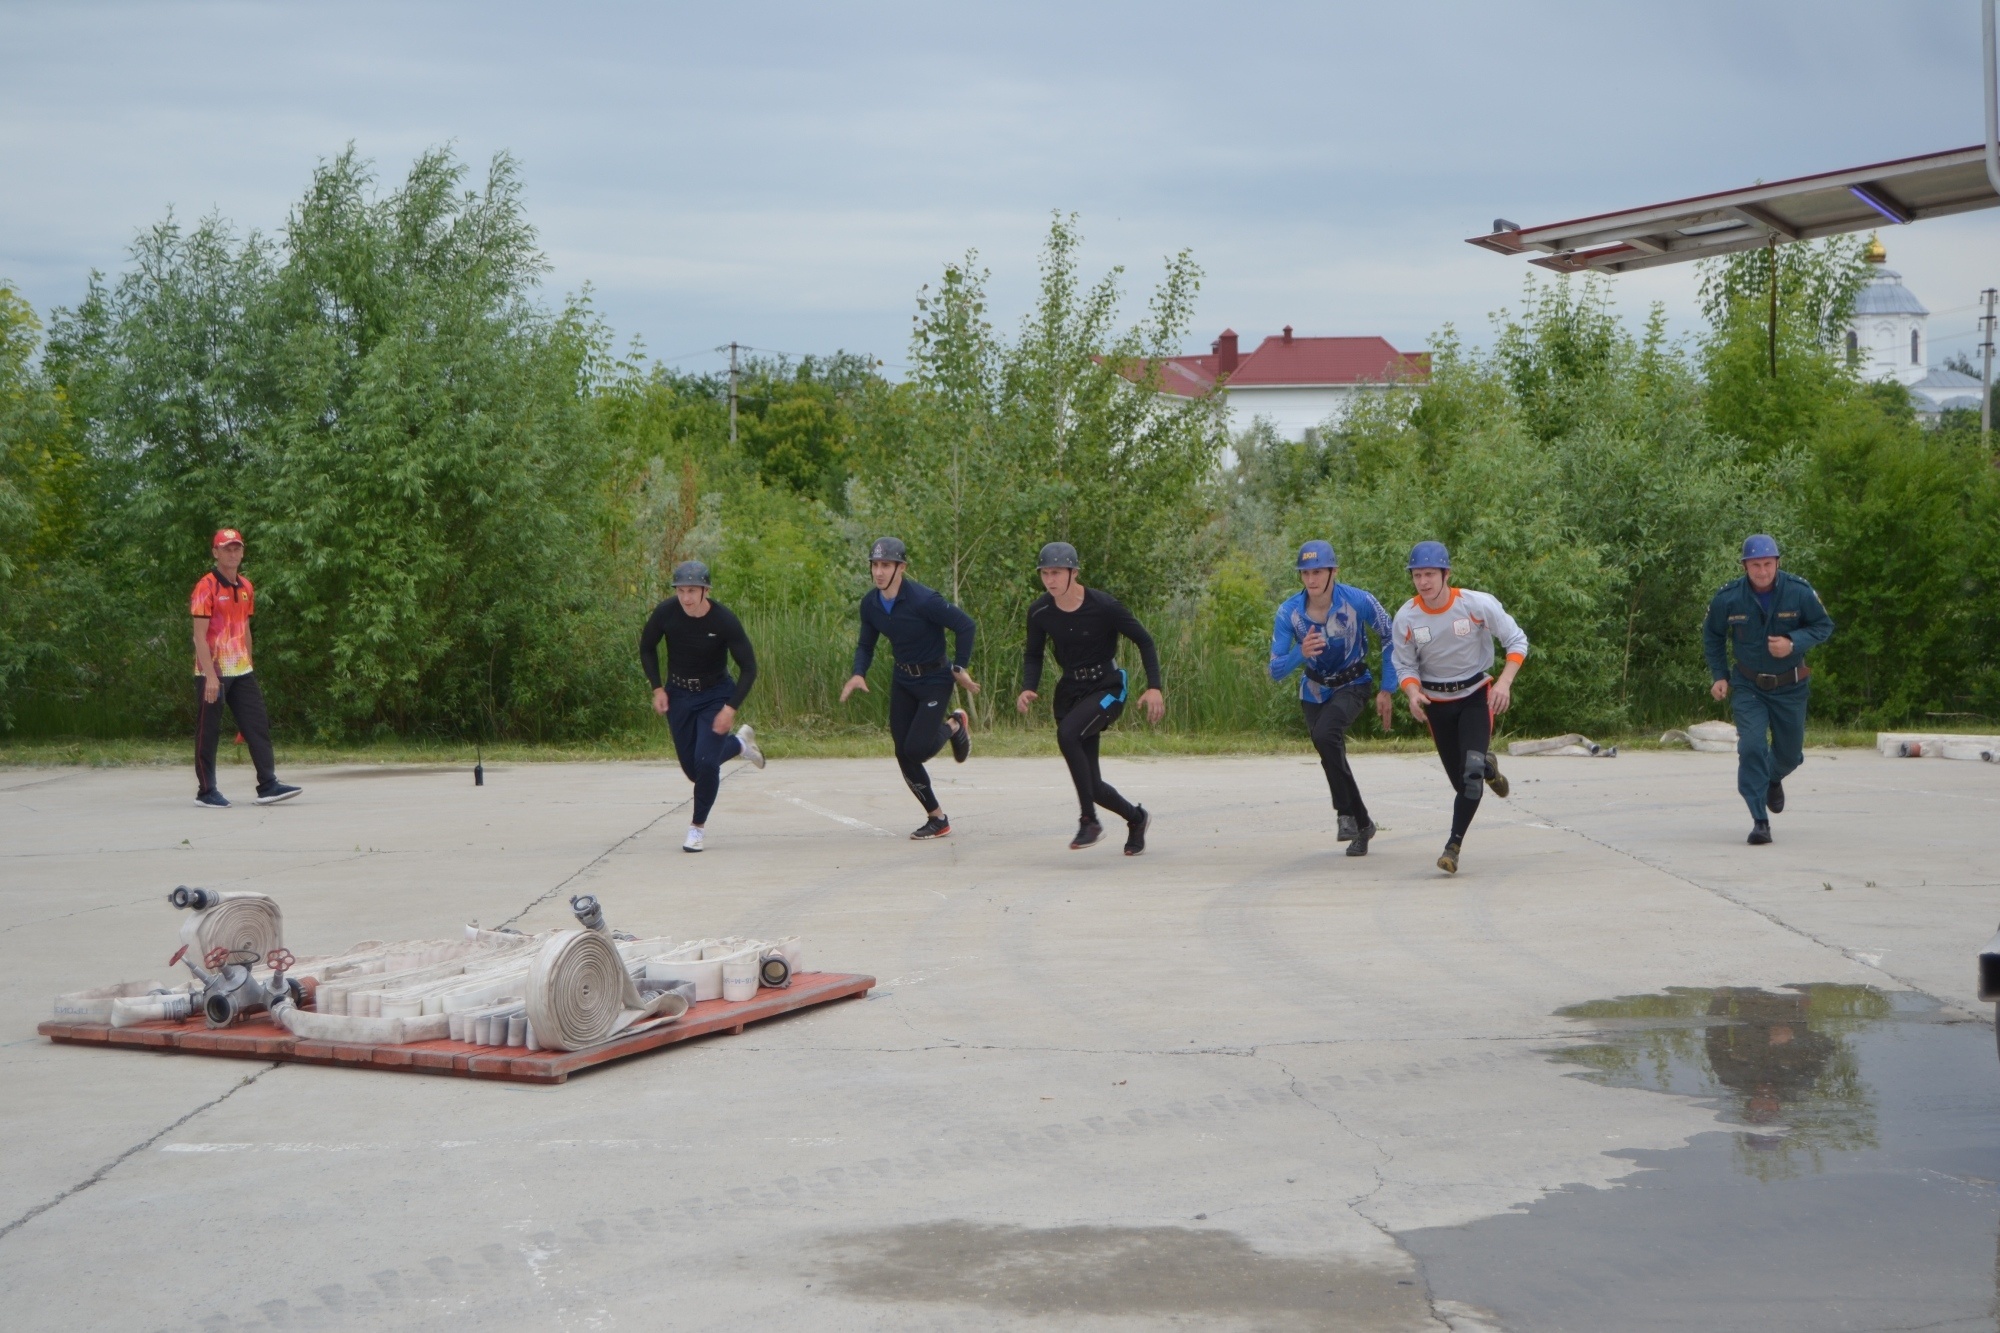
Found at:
<point>1211,1084</point>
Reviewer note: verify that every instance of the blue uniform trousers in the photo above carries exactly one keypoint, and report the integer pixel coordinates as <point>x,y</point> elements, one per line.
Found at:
<point>691,719</point>
<point>1770,737</point>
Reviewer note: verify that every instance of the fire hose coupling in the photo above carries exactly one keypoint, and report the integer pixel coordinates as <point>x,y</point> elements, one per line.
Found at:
<point>589,914</point>
<point>194,900</point>
<point>775,972</point>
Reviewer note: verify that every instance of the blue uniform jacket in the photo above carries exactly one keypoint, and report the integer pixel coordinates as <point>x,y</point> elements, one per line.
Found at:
<point>1735,618</point>
<point>1353,611</point>
<point>914,627</point>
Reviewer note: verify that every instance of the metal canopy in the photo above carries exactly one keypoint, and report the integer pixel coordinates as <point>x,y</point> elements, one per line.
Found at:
<point>1801,209</point>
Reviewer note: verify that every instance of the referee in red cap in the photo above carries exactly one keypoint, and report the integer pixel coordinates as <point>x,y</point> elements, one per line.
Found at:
<point>221,604</point>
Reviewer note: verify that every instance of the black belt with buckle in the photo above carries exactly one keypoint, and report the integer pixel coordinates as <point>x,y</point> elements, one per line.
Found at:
<point>923,668</point>
<point>696,684</point>
<point>1090,675</point>
<point>1764,680</point>
<point>1454,686</point>
<point>1334,682</point>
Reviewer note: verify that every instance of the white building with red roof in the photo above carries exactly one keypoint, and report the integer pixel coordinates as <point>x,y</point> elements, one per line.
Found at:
<point>1297,384</point>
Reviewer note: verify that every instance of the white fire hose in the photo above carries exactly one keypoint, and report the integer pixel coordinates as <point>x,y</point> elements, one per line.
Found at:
<point>566,990</point>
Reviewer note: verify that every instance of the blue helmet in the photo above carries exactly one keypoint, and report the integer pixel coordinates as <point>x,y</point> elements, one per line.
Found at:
<point>1760,547</point>
<point>1429,555</point>
<point>1317,555</point>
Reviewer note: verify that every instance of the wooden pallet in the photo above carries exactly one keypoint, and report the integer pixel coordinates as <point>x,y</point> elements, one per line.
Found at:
<point>257,1038</point>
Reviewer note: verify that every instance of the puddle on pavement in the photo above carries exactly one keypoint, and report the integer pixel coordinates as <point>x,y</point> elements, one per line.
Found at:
<point>1856,1188</point>
<point>1075,1272</point>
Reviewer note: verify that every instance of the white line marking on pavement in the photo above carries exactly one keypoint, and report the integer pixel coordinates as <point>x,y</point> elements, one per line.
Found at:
<point>838,819</point>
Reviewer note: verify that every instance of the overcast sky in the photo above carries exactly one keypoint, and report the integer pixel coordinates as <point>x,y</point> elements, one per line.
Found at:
<point>788,175</point>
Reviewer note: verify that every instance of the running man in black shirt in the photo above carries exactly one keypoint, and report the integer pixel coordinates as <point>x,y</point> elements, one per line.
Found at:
<point>914,618</point>
<point>697,698</point>
<point>1084,624</point>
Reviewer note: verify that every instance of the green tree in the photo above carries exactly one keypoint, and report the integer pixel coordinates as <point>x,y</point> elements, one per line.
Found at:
<point>403,433</point>
<point>1816,283</point>
<point>995,447</point>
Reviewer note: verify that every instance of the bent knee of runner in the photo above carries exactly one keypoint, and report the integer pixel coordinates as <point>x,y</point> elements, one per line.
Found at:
<point>1475,772</point>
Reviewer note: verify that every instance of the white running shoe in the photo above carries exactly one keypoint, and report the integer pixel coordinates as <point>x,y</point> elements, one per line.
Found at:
<point>748,735</point>
<point>693,842</point>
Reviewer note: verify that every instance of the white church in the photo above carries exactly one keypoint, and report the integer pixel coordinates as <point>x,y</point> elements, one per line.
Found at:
<point>1888,334</point>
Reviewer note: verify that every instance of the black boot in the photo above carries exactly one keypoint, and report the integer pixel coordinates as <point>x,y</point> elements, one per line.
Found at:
<point>1774,797</point>
<point>1088,831</point>
<point>1346,833</point>
<point>1359,845</point>
<point>1760,833</point>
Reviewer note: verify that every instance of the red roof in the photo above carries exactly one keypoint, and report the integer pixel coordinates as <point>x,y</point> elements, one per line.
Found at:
<point>1300,361</point>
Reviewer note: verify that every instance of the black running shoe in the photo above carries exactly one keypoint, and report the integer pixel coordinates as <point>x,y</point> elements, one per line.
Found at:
<point>961,740</point>
<point>211,800</point>
<point>1448,861</point>
<point>937,826</point>
<point>1088,831</point>
<point>1760,833</point>
<point>1359,845</point>
<point>1135,832</point>
<point>275,793</point>
<point>1493,778</point>
<point>1774,797</point>
<point>1346,833</point>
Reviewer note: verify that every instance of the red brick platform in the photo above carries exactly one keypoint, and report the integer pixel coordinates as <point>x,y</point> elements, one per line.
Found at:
<point>259,1039</point>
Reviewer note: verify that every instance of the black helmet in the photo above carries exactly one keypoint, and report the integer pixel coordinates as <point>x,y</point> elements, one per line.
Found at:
<point>1057,555</point>
<point>690,574</point>
<point>889,548</point>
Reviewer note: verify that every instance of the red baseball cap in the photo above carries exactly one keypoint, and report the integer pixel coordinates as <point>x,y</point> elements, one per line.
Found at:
<point>224,537</point>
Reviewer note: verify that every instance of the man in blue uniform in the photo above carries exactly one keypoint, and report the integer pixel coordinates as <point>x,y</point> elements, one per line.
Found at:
<point>1772,618</point>
<point>1321,631</point>
<point>914,618</point>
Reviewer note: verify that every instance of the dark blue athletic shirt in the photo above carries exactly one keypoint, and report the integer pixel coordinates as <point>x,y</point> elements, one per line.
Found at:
<point>914,625</point>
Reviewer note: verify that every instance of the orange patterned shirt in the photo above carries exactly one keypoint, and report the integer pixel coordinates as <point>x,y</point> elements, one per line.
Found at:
<point>228,609</point>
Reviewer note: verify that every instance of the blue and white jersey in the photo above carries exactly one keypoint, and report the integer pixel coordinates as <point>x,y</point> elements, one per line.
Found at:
<point>1348,620</point>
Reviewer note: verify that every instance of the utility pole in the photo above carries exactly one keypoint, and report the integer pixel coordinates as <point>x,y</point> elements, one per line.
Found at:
<point>1773,328</point>
<point>1988,298</point>
<point>732,393</point>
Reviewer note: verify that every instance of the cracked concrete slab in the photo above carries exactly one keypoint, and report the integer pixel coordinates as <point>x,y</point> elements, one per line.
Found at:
<point>1078,1068</point>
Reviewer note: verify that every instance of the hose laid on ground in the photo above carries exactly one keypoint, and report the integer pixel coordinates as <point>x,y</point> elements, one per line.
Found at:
<point>580,992</point>
<point>242,923</point>
<point>343,1028</point>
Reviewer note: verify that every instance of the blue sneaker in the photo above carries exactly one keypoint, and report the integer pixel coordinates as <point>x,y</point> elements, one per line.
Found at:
<point>275,793</point>
<point>213,800</point>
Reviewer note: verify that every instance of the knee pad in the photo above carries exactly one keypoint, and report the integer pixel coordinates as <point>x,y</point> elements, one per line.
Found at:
<point>1475,775</point>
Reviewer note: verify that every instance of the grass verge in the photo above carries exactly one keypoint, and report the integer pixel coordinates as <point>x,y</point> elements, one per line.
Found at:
<point>861,742</point>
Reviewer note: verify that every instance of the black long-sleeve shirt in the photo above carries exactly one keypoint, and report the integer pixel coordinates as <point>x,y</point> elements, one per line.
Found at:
<point>1084,637</point>
<point>698,647</point>
<point>914,626</point>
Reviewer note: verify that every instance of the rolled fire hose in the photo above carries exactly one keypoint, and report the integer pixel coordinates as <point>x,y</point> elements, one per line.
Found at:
<point>580,992</point>
<point>242,923</point>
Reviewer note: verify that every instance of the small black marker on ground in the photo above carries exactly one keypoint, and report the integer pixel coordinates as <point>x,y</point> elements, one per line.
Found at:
<point>478,765</point>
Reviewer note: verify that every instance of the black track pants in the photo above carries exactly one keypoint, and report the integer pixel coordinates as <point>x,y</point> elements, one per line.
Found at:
<point>246,706</point>
<point>1328,722</point>
<point>691,720</point>
<point>918,707</point>
<point>1462,730</point>
<point>1081,717</point>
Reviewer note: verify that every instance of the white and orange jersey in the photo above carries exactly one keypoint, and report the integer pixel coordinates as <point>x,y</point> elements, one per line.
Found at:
<point>1453,644</point>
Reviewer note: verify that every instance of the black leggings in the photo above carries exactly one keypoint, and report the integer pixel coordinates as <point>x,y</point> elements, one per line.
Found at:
<point>1081,717</point>
<point>917,714</point>
<point>1328,722</point>
<point>246,706</point>
<point>1462,730</point>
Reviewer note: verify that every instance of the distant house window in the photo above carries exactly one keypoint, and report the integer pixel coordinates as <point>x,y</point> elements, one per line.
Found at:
<point>1853,342</point>
<point>1915,358</point>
